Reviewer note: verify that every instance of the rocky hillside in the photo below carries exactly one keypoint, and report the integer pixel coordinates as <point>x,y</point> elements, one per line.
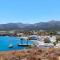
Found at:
<point>32,54</point>
<point>51,25</point>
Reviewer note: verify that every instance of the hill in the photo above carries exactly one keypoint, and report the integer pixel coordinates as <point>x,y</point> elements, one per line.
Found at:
<point>51,25</point>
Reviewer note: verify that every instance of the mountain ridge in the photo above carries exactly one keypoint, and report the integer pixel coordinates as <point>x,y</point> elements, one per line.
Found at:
<point>51,25</point>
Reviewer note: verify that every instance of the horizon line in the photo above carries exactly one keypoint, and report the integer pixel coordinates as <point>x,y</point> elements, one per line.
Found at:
<point>29,23</point>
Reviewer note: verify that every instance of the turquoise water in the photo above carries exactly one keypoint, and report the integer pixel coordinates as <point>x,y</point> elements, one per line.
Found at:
<point>6,40</point>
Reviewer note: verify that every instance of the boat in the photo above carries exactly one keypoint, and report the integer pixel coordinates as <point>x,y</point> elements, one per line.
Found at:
<point>10,46</point>
<point>19,44</point>
<point>22,44</point>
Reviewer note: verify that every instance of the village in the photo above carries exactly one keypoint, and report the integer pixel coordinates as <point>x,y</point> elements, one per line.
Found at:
<point>41,38</point>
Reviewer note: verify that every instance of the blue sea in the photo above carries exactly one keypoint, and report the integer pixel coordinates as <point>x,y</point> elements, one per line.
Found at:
<point>5,41</point>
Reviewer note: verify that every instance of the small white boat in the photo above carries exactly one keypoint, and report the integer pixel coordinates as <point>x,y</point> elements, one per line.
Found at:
<point>10,46</point>
<point>19,44</point>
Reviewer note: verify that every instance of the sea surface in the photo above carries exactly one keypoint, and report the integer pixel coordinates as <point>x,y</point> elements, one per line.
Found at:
<point>5,41</point>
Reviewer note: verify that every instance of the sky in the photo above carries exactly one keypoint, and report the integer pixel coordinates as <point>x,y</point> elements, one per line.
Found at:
<point>29,11</point>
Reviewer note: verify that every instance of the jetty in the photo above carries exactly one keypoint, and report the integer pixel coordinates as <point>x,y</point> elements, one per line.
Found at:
<point>21,42</point>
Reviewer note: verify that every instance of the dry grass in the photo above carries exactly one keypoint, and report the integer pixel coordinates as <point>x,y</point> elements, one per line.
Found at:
<point>32,54</point>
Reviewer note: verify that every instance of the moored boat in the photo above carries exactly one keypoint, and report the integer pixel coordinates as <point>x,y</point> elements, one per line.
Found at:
<point>10,46</point>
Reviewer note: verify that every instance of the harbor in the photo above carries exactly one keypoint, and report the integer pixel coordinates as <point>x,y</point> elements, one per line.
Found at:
<point>13,43</point>
<point>19,43</point>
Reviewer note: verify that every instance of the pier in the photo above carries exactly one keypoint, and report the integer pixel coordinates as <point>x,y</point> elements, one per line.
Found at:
<point>22,44</point>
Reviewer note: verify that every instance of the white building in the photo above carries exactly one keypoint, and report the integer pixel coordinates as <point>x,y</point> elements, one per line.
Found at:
<point>40,41</point>
<point>52,39</point>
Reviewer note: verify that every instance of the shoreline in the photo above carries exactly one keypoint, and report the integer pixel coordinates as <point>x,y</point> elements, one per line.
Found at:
<point>16,50</point>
